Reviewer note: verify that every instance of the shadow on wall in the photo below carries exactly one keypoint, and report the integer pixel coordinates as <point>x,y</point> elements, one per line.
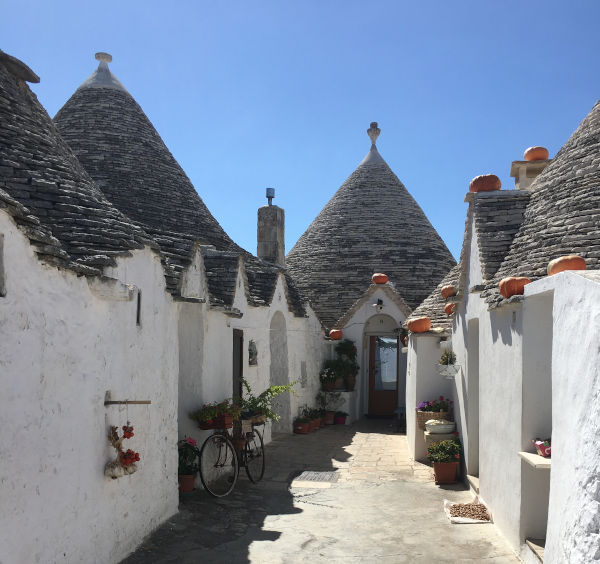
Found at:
<point>223,530</point>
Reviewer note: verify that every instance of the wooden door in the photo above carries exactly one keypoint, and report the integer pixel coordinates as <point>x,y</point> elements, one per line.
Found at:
<point>383,375</point>
<point>238,363</point>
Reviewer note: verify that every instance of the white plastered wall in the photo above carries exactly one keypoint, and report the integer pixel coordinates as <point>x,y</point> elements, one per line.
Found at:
<point>64,342</point>
<point>574,509</point>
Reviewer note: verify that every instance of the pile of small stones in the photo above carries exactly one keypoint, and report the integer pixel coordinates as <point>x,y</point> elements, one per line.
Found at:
<point>471,510</point>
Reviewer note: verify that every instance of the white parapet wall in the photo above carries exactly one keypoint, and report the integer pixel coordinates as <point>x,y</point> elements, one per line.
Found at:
<point>65,340</point>
<point>573,533</point>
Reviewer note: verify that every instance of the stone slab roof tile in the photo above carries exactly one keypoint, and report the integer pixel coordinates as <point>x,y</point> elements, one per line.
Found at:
<point>563,213</point>
<point>124,154</point>
<point>371,224</point>
<point>433,305</point>
<point>39,170</point>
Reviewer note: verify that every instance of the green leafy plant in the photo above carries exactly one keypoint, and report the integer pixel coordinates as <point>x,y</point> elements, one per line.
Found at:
<point>263,403</point>
<point>210,411</point>
<point>448,357</point>
<point>188,456</point>
<point>344,366</point>
<point>329,401</point>
<point>444,451</point>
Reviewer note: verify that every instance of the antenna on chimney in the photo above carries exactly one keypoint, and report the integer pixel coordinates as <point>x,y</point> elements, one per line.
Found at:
<point>270,195</point>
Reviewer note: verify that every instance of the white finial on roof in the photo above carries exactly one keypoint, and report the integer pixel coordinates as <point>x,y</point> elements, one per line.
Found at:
<point>373,132</point>
<point>102,77</point>
<point>103,57</point>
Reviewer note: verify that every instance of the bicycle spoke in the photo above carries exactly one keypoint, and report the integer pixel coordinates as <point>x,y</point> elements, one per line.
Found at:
<point>218,465</point>
<point>254,456</point>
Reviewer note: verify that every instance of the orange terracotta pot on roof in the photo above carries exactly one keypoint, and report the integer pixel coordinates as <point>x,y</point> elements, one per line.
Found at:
<point>419,324</point>
<point>379,278</point>
<point>513,286</point>
<point>485,183</point>
<point>449,308</point>
<point>568,262</point>
<point>448,291</point>
<point>536,154</point>
<point>335,334</point>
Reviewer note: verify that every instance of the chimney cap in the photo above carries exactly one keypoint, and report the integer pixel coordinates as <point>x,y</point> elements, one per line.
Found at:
<point>270,195</point>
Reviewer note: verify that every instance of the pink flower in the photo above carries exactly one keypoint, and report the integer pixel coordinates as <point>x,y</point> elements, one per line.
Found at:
<point>191,441</point>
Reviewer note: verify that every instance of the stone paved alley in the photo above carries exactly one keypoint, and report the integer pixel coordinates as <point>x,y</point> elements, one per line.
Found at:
<point>380,509</point>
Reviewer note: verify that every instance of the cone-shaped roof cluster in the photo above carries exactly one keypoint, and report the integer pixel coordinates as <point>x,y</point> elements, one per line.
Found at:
<point>372,224</point>
<point>73,224</point>
<point>124,154</point>
<point>563,213</point>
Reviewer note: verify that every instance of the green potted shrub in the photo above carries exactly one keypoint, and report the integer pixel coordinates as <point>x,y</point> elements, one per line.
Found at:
<point>340,372</point>
<point>301,425</point>
<point>329,402</point>
<point>447,366</point>
<point>260,408</point>
<point>445,457</point>
<point>340,417</point>
<point>217,415</point>
<point>188,463</point>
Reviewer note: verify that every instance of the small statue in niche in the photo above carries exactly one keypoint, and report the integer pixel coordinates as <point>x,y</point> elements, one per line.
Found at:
<point>252,354</point>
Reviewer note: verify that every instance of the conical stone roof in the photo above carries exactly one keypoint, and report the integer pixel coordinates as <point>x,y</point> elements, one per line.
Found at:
<point>372,224</point>
<point>563,213</point>
<point>124,154</point>
<point>71,222</point>
<point>119,147</point>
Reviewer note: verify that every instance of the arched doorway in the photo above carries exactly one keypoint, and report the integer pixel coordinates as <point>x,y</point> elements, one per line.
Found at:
<point>279,372</point>
<point>385,364</point>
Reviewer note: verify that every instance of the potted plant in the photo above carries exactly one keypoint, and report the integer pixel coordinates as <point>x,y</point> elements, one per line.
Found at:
<point>259,408</point>
<point>217,415</point>
<point>447,366</point>
<point>301,425</point>
<point>328,376</point>
<point>340,372</point>
<point>436,409</point>
<point>329,402</point>
<point>543,447</point>
<point>340,417</point>
<point>445,457</point>
<point>188,463</point>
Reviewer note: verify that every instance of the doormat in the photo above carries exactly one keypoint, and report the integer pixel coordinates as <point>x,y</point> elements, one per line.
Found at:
<point>313,479</point>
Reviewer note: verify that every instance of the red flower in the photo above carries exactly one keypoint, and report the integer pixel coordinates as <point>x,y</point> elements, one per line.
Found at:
<point>456,433</point>
<point>457,456</point>
<point>441,398</point>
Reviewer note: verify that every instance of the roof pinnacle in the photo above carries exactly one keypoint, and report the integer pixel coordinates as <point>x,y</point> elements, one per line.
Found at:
<point>103,57</point>
<point>373,132</point>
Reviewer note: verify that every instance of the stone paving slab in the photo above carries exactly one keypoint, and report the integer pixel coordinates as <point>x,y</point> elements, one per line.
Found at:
<point>377,511</point>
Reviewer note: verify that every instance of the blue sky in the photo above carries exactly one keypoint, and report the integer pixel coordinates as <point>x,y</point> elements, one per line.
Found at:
<point>273,93</point>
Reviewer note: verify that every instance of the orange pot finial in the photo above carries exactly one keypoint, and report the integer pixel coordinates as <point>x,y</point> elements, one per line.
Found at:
<point>569,262</point>
<point>419,324</point>
<point>536,154</point>
<point>335,334</point>
<point>485,183</point>
<point>379,278</point>
<point>513,286</point>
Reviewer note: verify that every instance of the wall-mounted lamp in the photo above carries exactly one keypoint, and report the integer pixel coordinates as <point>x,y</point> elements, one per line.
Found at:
<point>378,305</point>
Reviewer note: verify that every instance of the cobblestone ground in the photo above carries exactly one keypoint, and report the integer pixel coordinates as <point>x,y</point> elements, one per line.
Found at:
<point>380,507</point>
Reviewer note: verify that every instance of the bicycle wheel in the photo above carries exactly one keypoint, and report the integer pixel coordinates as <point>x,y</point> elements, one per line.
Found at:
<point>218,465</point>
<point>254,456</point>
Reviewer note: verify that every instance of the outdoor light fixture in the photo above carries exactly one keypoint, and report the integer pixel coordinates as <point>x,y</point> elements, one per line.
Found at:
<point>378,305</point>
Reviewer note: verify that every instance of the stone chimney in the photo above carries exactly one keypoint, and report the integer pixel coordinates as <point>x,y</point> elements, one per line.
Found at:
<point>525,172</point>
<point>271,231</point>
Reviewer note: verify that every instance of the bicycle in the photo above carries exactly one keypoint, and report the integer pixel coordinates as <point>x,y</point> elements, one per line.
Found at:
<point>220,462</point>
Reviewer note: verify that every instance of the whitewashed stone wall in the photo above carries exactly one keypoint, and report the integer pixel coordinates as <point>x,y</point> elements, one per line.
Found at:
<point>64,342</point>
<point>573,533</point>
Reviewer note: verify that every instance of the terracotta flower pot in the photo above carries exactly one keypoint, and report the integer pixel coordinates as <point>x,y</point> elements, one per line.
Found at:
<point>329,417</point>
<point>302,428</point>
<point>335,334</point>
<point>379,278</point>
<point>445,472</point>
<point>186,483</point>
<point>340,420</point>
